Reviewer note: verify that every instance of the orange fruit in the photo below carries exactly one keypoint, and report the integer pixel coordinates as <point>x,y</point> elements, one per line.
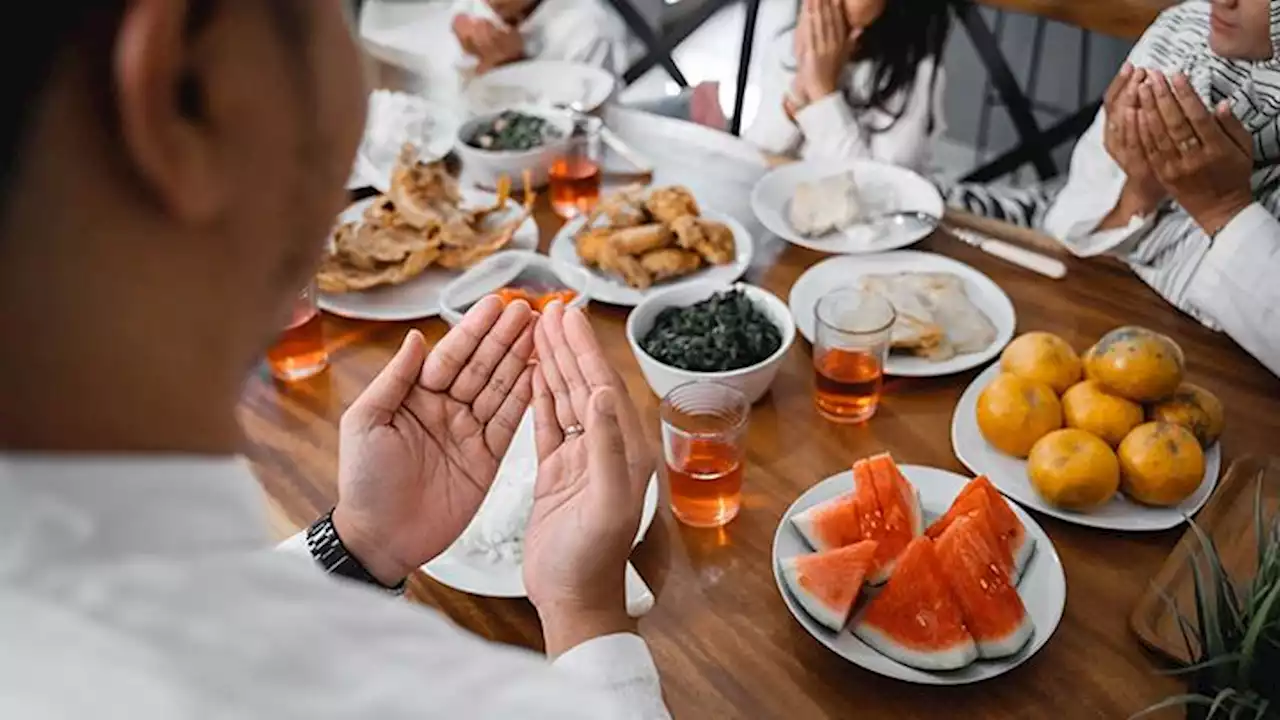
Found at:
<point>1073,469</point>
<point>1089,407</point>
<point>1136,363</point>
<point>1013,413</point>
<point>1195,409</point>
<point>1160,464</point>
<point>1043,357</point>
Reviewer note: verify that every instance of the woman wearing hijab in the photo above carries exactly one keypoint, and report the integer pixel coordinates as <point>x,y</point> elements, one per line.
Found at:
<point>1179,176</point>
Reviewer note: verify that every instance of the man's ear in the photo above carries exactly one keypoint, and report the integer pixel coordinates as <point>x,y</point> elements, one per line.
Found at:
<point>159,99</point>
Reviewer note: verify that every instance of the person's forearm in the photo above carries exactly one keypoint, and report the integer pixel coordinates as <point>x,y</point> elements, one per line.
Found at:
<point>566,628</point>
<point>1130,205</point>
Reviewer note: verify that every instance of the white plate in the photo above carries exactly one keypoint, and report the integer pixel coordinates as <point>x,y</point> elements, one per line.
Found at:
<point>540,82</point>
<point>844,271</point>
<point>884,188</point>
<point>1010,475</point>
<point>607,288</point>
<point>394,119</point>
<point>420,297</point>
<point>477,575</point>
<point>1043,587</point>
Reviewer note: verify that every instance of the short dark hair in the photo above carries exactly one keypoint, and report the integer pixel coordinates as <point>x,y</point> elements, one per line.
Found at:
<point>52,28</point>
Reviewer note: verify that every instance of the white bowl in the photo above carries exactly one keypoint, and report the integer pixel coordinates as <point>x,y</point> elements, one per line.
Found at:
<point>509,267</point>
<point>753,381</point>
<point>485,167</point>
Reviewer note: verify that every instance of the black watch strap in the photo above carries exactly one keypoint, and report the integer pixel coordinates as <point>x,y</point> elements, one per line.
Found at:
<point>327,549</point>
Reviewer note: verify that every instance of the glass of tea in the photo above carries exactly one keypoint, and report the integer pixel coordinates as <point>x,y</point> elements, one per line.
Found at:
<point>575,176</point>
<point>849,352</point>
<point>703,427</point>
<point>300,352</point>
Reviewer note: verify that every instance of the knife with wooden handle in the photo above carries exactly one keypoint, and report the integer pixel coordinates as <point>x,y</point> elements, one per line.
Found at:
<point>1022,257</point>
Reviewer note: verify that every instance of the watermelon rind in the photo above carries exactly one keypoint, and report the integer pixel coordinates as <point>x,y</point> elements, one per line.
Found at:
<point>1022,556</point>
<point>994,649</point>
<point>826,616</point>
<point>938,660</point>
<point>806,524</point>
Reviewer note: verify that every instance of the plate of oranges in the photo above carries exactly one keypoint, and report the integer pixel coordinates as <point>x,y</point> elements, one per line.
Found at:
<point>1113,437</point>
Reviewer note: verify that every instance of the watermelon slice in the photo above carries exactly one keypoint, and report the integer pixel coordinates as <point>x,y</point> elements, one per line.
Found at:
<point>892,529</point>
<point>827,584</point>
<point>831,524</point>
<point>915,619</point>
<point>993,612</point>
<point>981,497</point>
<point>886,471</point>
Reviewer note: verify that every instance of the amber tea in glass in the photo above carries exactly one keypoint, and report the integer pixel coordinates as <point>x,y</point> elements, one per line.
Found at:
<point>849,353</point>
<point>703,428</point>
<point>299,353</point>
<point>575,177</point>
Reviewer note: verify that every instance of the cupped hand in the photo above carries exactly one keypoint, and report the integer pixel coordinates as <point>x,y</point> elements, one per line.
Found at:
<point>420,447</point>
<point>824,45</point>
<point>1142,190</point>
<point>591,485</point>
<point>1203,159</point>
<point>497,45</point>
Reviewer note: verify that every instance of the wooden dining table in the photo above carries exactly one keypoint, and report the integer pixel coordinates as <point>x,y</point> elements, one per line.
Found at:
<point>723,640</point>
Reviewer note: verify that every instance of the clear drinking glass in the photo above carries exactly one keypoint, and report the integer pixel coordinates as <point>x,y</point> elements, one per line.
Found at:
<point>575,176</point>
<point>849,353</point>
<point>300,351</point>
<point>703,428</point>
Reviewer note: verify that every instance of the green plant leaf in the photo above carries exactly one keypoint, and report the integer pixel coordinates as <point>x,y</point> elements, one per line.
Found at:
<point>1174,701</point>
<point>1250,645</point>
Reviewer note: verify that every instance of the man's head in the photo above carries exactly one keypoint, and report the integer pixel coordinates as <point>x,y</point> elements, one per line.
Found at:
<point>1241,29</point>
<point>172,169</point>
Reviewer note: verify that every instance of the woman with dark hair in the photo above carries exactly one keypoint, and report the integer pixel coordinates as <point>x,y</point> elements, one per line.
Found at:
<point>855,79</point>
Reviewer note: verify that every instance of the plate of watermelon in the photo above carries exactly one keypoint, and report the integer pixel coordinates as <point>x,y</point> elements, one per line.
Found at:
<point>919,574</point>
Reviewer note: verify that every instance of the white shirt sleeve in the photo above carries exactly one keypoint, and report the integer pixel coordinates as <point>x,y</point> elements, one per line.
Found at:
<point>618,665</point>
<point>1238,283</point>
<point>1094,185</point>
<point>582,31</point>
<point>771,130</point>
<point>832,129</point>
<point>622,666</point>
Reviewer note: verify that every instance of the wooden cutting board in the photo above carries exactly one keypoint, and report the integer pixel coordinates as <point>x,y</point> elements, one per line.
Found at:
<point>1228,519</point>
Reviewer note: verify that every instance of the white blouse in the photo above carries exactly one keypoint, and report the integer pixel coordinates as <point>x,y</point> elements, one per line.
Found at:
<point>830,129</point>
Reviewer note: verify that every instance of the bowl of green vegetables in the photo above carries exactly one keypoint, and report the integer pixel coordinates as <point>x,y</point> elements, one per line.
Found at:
<point>736,335</point>
<point>512,142</point>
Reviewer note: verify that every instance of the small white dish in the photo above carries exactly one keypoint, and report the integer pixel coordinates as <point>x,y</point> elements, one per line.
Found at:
<point>843,272</point>
<point>546,83</point>
<point>420,297</point>
<point>395,119</point>
<point>479,575</point>
<point>521,268</point>
<point>484,168</point>
<point>1009,474</point>
<point>607,288</point>
<point>1043,587</point>
<point>884,188</point>
<point>753,381</point>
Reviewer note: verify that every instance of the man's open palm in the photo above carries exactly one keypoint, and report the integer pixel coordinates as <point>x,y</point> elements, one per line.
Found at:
<point>421,446</point>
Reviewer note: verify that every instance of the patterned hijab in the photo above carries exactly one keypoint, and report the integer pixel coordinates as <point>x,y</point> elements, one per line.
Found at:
<point>1178,41</point>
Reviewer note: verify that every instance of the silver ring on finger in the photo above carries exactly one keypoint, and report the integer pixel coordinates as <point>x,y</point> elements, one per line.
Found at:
<point>573,431</point>
<point>1189,144</point>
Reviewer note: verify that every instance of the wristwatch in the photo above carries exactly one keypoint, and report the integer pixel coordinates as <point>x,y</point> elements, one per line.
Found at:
<point>327,549</point>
